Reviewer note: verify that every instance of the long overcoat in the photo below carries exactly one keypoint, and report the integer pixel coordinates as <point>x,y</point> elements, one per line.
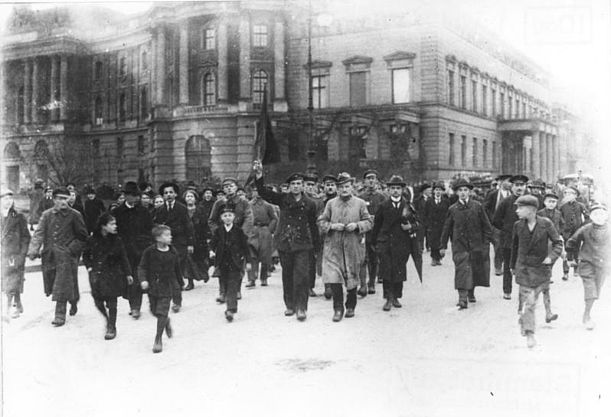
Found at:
<point>529,249</point>
<point>469,228</point>
<point>504,218</point>
<point>107,258</point>
<point>343,251</point>
<point>434,219</point>
<point>265,222</point>
<point>15,241</point>
<point>62,235</point>
<point>393,244</point>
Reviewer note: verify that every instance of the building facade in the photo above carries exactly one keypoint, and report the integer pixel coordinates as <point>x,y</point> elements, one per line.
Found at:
<point>176,93</point>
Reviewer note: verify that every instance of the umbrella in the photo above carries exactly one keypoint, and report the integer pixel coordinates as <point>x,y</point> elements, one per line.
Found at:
<point>417,257</point>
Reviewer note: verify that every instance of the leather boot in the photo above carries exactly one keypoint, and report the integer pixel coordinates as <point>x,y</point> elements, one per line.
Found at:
<point>338,315</point>
<point>157,346</point>
<point>387,305</point>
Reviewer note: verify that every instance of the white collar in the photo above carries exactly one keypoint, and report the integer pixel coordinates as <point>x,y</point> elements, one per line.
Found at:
<point>398,200</point>
<point>463,202</point>
<point>228,228</point>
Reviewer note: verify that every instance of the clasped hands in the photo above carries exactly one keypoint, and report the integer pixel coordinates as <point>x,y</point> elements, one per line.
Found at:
<point>340,227</point>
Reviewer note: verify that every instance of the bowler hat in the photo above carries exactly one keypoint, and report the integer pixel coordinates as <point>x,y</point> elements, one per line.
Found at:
<point>425,186</point>
<point>527,200</point>
<point>295,176</point>
<point>371,172</point>
<point>462,182</point>
<point>519,179</point>
<point>131,188</point>
<point>396,180</point>
<point>169,184</point>
<point>343,178</point>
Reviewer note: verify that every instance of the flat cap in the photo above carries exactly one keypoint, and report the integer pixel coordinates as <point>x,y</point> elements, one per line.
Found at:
<point>295,176</point>
<point>519,179</point>
<point>527,200</point>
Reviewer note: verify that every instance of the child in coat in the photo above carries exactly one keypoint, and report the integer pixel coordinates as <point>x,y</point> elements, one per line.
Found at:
<point>231,252</point>
<point>159,273</point>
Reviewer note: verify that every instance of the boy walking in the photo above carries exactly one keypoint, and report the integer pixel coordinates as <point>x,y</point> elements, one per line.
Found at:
<point>531,261</point>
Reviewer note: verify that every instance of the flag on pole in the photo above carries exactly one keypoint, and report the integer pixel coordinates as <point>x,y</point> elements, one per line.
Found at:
<point>266,148</point>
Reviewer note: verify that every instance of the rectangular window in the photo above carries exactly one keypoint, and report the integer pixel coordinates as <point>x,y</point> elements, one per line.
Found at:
<point>141,145</point>
<point>475,161</point>
<point>320,91</point>
<point>502,105</point>
<point>484,100</point>
<point>517,108</point>
<point>451,160</point>
<point>400,85</point>
<point>524,115</point>
<point>510,108</point>
<point>208,38</point>
<point>358,88</point>
<point>120,148</point>
<point>474,96</point>
<point>493,154</point>
<point>451,97</point>
<point>260,35</point>
<point>463,151</point>
<point>122,66</point>
<point>493,97</point>
<point>463,92</point>
<point>485,153</point>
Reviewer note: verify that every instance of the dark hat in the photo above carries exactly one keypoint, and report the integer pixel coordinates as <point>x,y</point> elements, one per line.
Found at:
<point>462,182</point>
<point>219,192</point>
<point>439,184</point>
<point>396,180</point>
<point>503,177</point>
<point>131,188</point>
<point>228,180</point>
<point>371,171</point>
<point>143,185</point>
<point>538,183</point>
<point>89,190</point>
<point>228,208</point>
<point>310,176</point>
<point>343,178</point>
<point>425,186</point>
<point>329,178</point>
<point>551,195</point>
<point>5,192</point>
<point>519,178</point>
<point>295,176</point>
<point>169,184</point>
<point>61,191</point>
<point>207,188</point>
<point>527,200</point>
<point>598,206</point>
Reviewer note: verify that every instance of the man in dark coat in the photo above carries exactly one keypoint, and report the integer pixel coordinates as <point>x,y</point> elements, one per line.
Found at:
<point>295,237</point>
<point>93,208</point>
<point>394,238</point>
<point>469,228</point>
<point>531,260</point>
<point>36,197</point>
<point>491,203</point>
<point>374,199</point>
<point>206,205</point>
<point>47,201</point>
<point>310,180</point>
<point>419,203</point>
<point>504,218</point>
<point>78,201</point>
<point>574,215</point>
<point>435,213</point>
<point>175,215</point>
<point>134,225</point>
<point>62,235</point>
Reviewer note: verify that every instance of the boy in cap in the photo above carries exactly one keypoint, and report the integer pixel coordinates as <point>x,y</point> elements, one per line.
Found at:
<point>531,259</point>
<point>591,242</point>
<point>574,215</point>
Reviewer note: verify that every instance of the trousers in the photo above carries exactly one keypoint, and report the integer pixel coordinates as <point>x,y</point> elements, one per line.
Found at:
<point>295,285</point>
<point>338,297</point>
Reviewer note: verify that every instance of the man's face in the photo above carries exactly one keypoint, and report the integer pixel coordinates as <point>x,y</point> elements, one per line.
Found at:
<point>345,189</point>
<point>570,194</point>
<point>7,202</point>
<point>132,199</point>
<point>111,227</point>
<point>190,198</point>
<point>158,202</point>
<point>506,185</point>
<point>550,203</point>
<point>72,198</point>
<point>310,187</point>
<point>230,188</point>
<point>296,186</point>
<point>395,191</point>
<point>145,200</point>
<point>227,218</point>
<point>330,187</point>
<point>524,211</point>
<point>207,195</point>
<point>90,196</point>
<point>169,194</point>
<point>61,201</point>
<point>438,192</point>
<point>463,193</point>
<point>518,188</point>
<point>371,180</point>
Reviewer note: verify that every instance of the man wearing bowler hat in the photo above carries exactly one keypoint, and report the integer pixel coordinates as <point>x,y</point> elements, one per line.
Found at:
<point>492,202</point>
<point>504,218</point>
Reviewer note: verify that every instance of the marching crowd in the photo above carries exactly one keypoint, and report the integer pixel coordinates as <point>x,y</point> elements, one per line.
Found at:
<point>352,238</point>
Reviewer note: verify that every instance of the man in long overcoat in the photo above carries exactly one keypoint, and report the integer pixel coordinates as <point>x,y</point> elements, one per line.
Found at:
<point>435,213</point>
<point>62,235</point>
<point>469,228</point>
<point>491,203</point>
<point>265,221</point>
<point>344,221</point>
<point>394,236</point>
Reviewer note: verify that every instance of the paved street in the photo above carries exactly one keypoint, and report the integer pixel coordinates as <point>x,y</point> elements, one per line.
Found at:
<point>426,359</point>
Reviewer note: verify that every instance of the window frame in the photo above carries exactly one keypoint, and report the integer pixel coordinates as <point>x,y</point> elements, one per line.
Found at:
<point>209,77</point>
<point>205,39</point>
<point>260,39</point>
<point>409,84</point>
<point>257,95</point>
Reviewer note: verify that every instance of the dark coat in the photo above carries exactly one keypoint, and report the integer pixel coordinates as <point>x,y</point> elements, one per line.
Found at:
<point>134,226</point>
<point>45,204</point>
<point>265,223</point>
<point>469,228</point>
<point>490,202</point>
<point>393,244</point>
<point>243,214</point>
<point>555,216</point>
<point>529,249</point>
<point>107,258</point>
<point>297,229</point>
<point>231,248</point>
<point>434,219</point>
<point>36,197</point>
<point>205,207</point>
<point>179,221</point>
<point>93,209</point>
<point>197,264</point>
<point>373,198</point>
<point>574,215</point>
<point>504,218</point>
<point>62,235</point>
<point>14,246</point>
<point>161,270</point>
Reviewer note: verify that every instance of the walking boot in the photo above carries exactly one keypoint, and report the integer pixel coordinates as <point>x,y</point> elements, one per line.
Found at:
<point>312,293</point>
<point>301,315</point>
<point>189,286</point>
<point>73,309</point>
<point>551,317</point>
<point>239,295</point>
<point>289,312</point>
<point>362,292</point>
<point>221,298</point>
<point>264,282</point>
<point>157,346</point>
<point>337,316</point>
<point>387,305</point>
<point>176,308</point>
<point>328,292</point>
<point>229,316</point>
<point>565,276</point>
<point>462,305</point>
<point>250,284</point>
<point>371,288</point>
<point>168,329</point>
<point>349,312</point>
<point>111,332</point>
<point>396,303</point>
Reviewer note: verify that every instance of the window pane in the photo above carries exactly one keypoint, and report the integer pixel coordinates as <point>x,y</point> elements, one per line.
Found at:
<point>258,84</point>
<point>260,35</point>
<point>400,81</point>
<point>358,88</point>
<point>320,91</point>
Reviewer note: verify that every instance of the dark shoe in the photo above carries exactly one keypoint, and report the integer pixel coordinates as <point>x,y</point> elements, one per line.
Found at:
<point>337,316</point>
<point>289,312</point>
<point>362,292</point>
<point>111,333</point>
<point>380,280</point>
<point>312,293</point>
<point>168,330</point>
<point>565,277</point>
<point>57,322</point>
<point>462,305</point>
<point>220,299</point>
<point>189,286</point>
<point>73,309</point>
<point>250,284</point>
<point>551,317</point>
<point>264,282</point>
<point>472,299</point>
<point>301,315</point>
<point>229,316</point>
<point>396,303</point>
<point>135,314</point>
<point>175,308</point>
<point>349,312</point>
<point>371,290</point>
<point>328,293</point>
<point>239,295</point>
<point>498,272</point>
<point>507,296</point>
<point>387,305</point>
<point>157,346</point>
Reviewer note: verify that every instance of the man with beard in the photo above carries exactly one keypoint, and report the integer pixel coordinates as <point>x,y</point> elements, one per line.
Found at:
<point>134,225</point>
<point>295,238</point>
<point>504,218</point>
<point>374,199</point>
<point>62,235</point>
<point>344,221</point>
<point>435,213</point>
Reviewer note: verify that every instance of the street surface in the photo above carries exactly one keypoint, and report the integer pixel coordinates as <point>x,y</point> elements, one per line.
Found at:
<point>426,359</point>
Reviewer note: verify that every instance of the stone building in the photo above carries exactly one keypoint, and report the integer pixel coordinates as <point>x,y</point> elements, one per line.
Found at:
<point>175,93</point>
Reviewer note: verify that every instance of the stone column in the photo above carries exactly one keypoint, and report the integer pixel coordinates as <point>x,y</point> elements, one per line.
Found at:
<point>279,72</point>
<point>35,92</point>
<point>536,155</point>
<point>550,158</point>
<point>161,69</point>
<point>221,76</point>
<point>53,84</point>
<point>245,93</point>
<point>63,88</point>
<point>542,154</point>
<point>184,64</point>
<point>27,88</point>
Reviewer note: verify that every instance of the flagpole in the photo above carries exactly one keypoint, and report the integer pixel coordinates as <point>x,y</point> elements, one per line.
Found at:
<point>311,149</point>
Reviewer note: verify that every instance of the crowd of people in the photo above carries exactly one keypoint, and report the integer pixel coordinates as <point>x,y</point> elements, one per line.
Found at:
<point>350,233</point>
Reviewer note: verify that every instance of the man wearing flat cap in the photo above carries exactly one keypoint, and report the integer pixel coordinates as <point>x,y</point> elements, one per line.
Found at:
<point>62,235</point>
<point>491,203</point>
<point>531,260</point>
<point>344,221</point>
<point>469,228</point>
<point>575,214</point>
<point>435,213</point>
<point>504,218</point>
<point>296,236</point>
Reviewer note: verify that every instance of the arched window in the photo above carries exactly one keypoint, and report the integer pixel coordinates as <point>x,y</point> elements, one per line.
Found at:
<point>99,67</point>
<point>11,151</point>
<point>259,80</point>
<point>41,149</point>
<point>197,153</point>
<point>98,111</point>
<point>208,89</point>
